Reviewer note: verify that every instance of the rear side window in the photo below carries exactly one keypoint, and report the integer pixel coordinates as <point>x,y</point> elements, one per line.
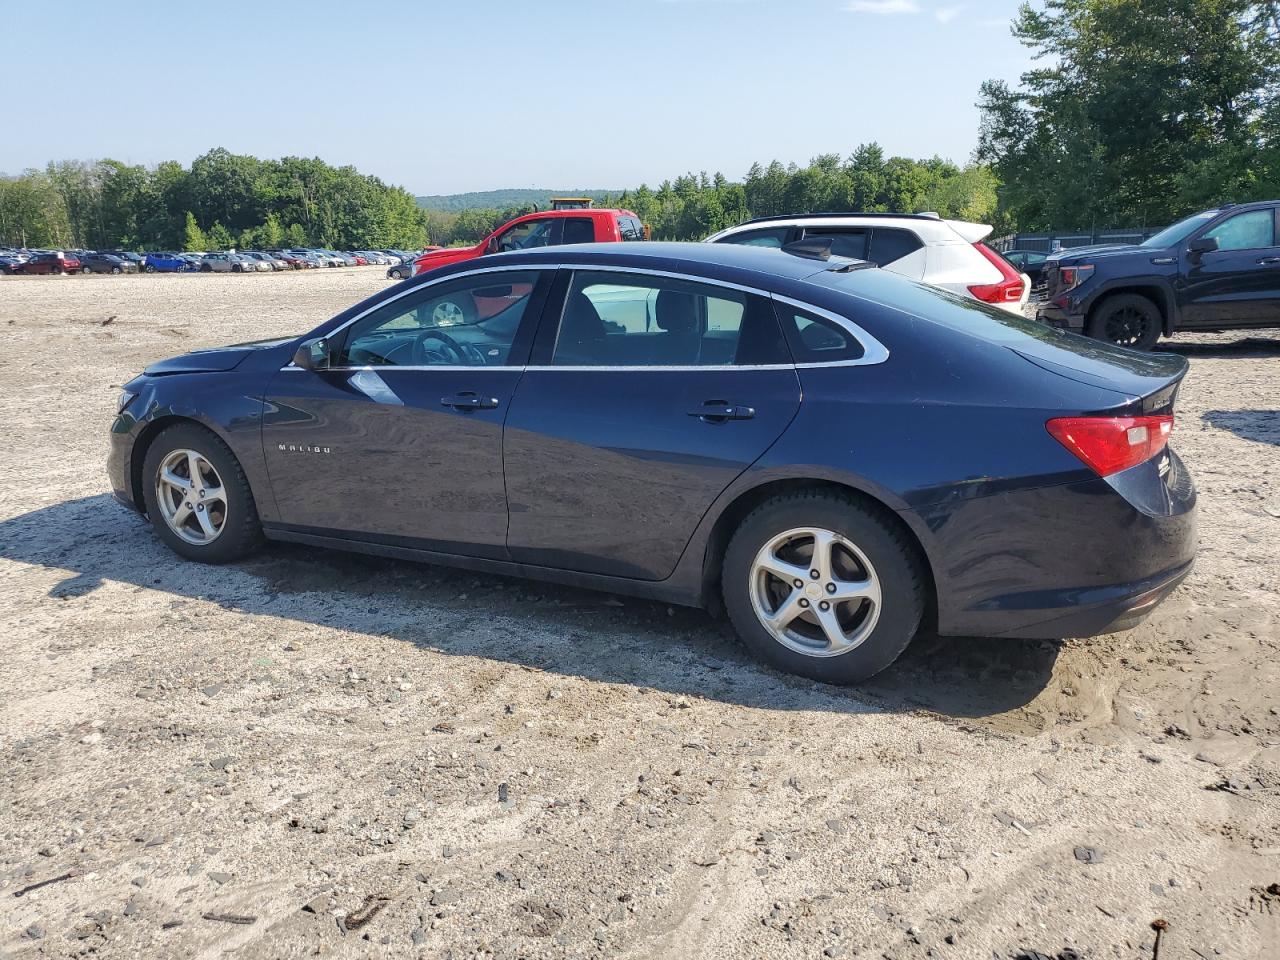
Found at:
<point>814,338</point>
<point>641,320</point>
<point>578,230</point>
<point>844,243</point>
<point>771,237</point>
<point>889,244</point>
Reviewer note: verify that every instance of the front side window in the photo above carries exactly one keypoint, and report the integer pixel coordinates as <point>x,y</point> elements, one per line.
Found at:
<point>627,320</point>
<point>527,235</point>
<point>771,237</point>
<point>1251,230</point>
<point>629,228</point>
<point>469,322</point>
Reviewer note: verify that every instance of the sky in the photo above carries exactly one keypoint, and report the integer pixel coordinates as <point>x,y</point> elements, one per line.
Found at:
<point>463,95</point>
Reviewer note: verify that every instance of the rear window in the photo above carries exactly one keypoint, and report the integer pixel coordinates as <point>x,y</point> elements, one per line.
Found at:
<point>939,306</point>
<point>629,228</point>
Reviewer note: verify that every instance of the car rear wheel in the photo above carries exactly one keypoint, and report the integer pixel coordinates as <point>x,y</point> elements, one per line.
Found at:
<point>149,268</point>
<point>115,269</point>
<point>198,498</point>
<point>819,585</point>
<point>1127,320</point>
<point>395,274</point>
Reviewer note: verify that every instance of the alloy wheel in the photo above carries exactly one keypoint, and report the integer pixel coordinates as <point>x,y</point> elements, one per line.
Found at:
<point>447,313</point>
<point>1127,326</point>
<point>191,497</point>
<point>815,592</point>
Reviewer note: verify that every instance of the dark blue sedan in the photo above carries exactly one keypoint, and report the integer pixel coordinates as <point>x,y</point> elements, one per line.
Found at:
<point>834,455</point>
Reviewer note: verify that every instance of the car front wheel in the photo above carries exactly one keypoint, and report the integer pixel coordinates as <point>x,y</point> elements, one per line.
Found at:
<point>821,586</point>
<point>198,498</point>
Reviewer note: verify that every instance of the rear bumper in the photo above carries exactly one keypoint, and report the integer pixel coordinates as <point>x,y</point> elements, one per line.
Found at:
<point>1074,560</point>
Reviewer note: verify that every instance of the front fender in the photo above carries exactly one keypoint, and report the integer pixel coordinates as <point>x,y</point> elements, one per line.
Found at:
<point>1162,286</point>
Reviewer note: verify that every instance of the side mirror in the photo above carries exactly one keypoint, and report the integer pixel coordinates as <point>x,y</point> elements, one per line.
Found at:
<point>312,354</point>
<point>1202,245</point>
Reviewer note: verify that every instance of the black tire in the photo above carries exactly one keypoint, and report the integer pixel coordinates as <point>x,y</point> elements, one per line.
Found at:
<point>1126,320</point>
<point>149,268</point>
<point>241,532</point>
<point>891,554</point>
<point>395,273</point>
<point>206,268</point>
<point>115,269</point>
<point>236,268</point>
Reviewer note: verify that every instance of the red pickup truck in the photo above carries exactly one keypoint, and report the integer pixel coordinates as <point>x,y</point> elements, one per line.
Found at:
<point>549,228</point>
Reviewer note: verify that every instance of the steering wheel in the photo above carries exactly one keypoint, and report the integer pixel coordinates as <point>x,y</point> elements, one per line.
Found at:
<point>451,352</point>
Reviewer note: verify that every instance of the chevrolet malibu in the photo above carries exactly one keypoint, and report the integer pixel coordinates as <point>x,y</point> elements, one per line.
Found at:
<point>834,455</point>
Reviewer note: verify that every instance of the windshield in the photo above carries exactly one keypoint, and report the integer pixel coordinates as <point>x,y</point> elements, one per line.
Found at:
<point>1171,236</point>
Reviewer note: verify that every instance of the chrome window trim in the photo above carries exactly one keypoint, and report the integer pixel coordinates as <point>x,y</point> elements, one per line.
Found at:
<point>874,351</point>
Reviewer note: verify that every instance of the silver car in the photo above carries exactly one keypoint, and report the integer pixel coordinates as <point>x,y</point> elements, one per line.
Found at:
<point>221,263</point>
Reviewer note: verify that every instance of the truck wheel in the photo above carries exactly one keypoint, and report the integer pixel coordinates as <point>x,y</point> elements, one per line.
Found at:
<point>1127,320</point>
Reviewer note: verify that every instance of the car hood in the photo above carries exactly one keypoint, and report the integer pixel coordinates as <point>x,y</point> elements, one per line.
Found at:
<point>441,258</point>
<point>1102,365</point>
<point>212,361</point>
<point>1101,251</point>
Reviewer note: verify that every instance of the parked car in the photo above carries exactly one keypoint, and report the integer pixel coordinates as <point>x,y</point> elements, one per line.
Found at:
<point>162,262</point>
<point>550,228</point>
<point>130,257</point>
<point>105,263</point>
<point>222,263</point>
<point>48,262</point>
<point>272,262</point>
<point>835,453</point>
<point>404,268</point>
<point>8,262</point>
<point>946,253</point>
<point>252,264</point>
<point>1030,262</point>
<point>1216,270</point>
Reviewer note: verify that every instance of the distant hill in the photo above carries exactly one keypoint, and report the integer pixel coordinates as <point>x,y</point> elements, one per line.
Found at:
<point>502,199</point>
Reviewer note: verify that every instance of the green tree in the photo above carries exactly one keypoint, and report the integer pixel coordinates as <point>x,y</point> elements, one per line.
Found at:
<point>193,238</point>
<point>1140,110</point>
<point>220,238</point>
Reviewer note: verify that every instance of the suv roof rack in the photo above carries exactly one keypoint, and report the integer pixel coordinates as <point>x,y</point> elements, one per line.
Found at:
<point>842,213</point>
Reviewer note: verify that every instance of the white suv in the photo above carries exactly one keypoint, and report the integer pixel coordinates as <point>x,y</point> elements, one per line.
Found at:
<point>946,253</point>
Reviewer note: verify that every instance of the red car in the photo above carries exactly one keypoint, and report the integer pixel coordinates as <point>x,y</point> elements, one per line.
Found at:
<point>48,263</point>
<point>550,228</point>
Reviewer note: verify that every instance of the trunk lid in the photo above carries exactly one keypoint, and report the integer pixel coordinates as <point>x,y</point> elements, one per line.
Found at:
<point>1151,378</point>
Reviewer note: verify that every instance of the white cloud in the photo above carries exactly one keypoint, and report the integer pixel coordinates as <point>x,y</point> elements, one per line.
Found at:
<point>883,6</point>
<point>947,14</point>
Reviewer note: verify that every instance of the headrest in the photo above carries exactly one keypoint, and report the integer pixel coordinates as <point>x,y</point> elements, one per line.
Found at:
<point>676,312</point>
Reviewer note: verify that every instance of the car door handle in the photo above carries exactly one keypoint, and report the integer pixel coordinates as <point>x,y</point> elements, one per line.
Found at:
<point>470,400</point>
<point>1269,261</point>
<point>718,411</point>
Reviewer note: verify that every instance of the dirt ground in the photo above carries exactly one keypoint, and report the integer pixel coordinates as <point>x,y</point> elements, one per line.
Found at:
<point>358,757</point>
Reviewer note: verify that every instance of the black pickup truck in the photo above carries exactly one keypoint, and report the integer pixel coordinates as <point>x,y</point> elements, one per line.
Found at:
<point>1216,270</point>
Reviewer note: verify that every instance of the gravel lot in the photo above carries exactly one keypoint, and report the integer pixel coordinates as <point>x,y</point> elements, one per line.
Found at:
<point>494,768</point>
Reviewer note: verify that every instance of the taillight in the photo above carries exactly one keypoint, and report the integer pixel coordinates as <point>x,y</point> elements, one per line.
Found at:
<point>1008,290</point>
<point>1070,277</point>
<point>1112,444</point>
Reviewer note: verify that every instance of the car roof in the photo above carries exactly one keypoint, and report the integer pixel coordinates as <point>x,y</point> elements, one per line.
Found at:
<point>930,229</point>
<point>692,257</point>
